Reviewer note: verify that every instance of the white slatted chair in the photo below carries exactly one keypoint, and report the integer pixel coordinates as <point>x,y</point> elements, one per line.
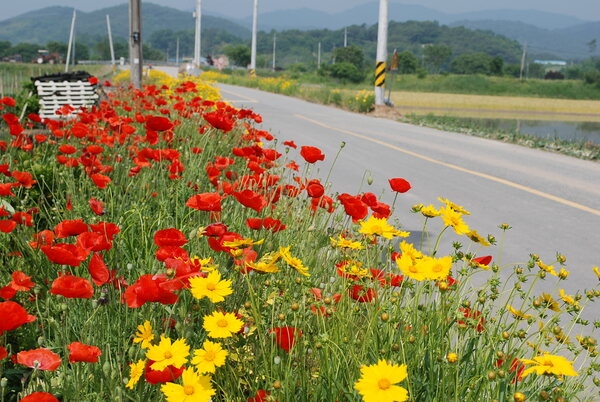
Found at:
<point>54,94</point>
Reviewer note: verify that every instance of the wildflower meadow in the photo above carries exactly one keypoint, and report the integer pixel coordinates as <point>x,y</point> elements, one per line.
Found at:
<point>161,246</point>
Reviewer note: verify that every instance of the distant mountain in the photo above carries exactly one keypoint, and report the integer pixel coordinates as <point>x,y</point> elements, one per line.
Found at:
<point>303,18</point>
<point>566,43</point>
<point>53,23</point>
<point>546,34</point>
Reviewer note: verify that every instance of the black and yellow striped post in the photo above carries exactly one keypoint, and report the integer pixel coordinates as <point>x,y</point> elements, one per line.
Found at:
<point>380,74</point>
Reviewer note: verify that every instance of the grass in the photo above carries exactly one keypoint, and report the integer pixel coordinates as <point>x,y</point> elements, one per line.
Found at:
<point>128,228</point>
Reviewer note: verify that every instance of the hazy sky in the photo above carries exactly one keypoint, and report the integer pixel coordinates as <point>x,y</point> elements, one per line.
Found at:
<point>585,9</point>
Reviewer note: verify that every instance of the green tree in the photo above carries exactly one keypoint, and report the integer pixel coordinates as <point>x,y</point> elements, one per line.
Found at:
<point>347,72</point>
<point>5,48</point>
<point>350,54</point>
<point>407,62</point>
<point>471,63</point>
<point>435,56</point>
<point>497,66</point>
<point>239,55</point>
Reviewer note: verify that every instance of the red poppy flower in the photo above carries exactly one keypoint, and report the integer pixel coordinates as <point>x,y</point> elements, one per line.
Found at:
<point>72,287</point>
<point>98,270</point>
<point>474,318</point>
<point>7,225</point>
<point>106,229</point>
<point>399,185</point>
<point>169,374</point>
<point>40,359</point>
<point>311,154</point>
<point>260,396</point>
<point>219,120</point>
<point>40,397</point>
<point>93,80</point>
<point>147,289</point>
<point>205,202</point>
<point>80,352</point>
<point>21,282</point>
<point>96,206</point>
<point>483,260</point>
<point>217,229</point>
<point>362,294</point>
<point>23,218</point>
<point>100,180</point>
<point>67,149</point>
<point>315,189</point>
<point>92,241</point>
<point>285,337</point>
<point>158,123</point>
<point>386,278</point>
<point>72,227</point>
<point>25,179</point>
<point>251,199</point>
<point>169,237</point>
<point>354,206</point>
<point>65,254</point>
<point>43,238</point>
<point>13,316</point>
<point>516,367</point>
<point>3,353</point>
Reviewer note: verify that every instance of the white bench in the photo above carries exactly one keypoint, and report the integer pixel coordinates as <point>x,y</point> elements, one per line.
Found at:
<point>54,95</point>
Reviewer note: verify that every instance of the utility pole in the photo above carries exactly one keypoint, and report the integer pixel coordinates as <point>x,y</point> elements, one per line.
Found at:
<point>197,46</point>
<point>381,53</point>
<point>319,56</point>
<point>110,44</point>
<point>71,45</point>
<point>254,28</point>
<point>345,36</point>
<point>523,58</point>
<point>135,42</point>
<point>274,47</point>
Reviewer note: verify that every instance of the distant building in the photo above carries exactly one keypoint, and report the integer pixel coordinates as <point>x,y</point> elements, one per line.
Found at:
<point>552,65</point>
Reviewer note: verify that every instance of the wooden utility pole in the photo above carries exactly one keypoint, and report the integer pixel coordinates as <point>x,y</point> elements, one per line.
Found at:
<point>253,45</point>
<point>198,35</point>
<point>381,53</point>
<point>135,42</point>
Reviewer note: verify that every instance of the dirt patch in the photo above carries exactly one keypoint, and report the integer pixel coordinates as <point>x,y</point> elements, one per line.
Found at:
<point>386,112</point>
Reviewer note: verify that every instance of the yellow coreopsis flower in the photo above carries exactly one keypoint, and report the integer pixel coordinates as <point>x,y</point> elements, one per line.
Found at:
<point>546,267</point>
<point>267,263</point>
<point>222,325</point>
<point>195,388</point>
<point>380,227</point>
<point>135,372</point>
<point>211,286</point>
<point>378,382</point>
<point>596,271</point>
<point>566,298</point>
<point>342,242</point>
<point>144,335</point>
<point>168,354</point>
<point>430,211</point>
<point>353,268</point>
<point>242,243</point>
<point>292,261</point>
<point>518,314</point>
<point>474,236</point>
<point>211,356</point>
<point>454,206</point>
<point>453,219</point>
<point>548,364</point>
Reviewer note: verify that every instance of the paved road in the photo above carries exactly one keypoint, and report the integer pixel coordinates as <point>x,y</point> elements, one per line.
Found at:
<point>551,201</point>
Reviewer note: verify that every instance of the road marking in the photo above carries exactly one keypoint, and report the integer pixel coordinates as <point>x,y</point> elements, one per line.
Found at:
<point>508,183</point>
<point>242,97</point>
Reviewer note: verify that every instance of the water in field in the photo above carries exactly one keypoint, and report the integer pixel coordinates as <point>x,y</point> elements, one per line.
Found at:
<point>586,132</point>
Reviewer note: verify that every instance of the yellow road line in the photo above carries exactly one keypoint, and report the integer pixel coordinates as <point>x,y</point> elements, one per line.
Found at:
<point>508,183</point>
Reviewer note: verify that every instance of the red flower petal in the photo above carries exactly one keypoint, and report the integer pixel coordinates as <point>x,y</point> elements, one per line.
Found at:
<point>13,316</point>
<point>72,287</point>
<point>40,397</point>
<point>169,237</point>
<point>399,185</point>
<point>80,352</point>
<point>98,270</point>
<point>285,337</point>
<point>41,359</point>
<point>311,154</point>
<point>205,202</point>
